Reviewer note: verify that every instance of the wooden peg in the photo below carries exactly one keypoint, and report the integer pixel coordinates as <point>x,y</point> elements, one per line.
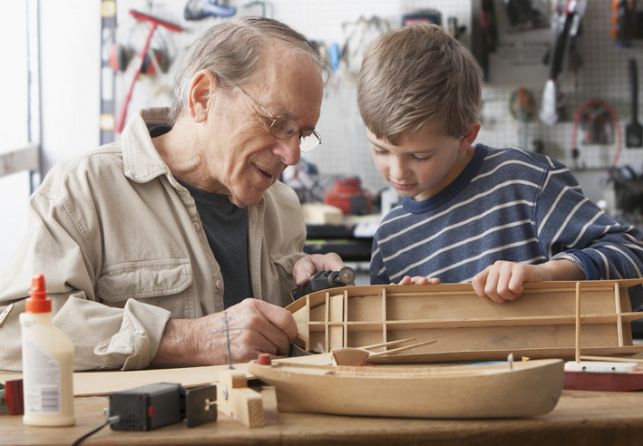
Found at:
<point>237,400</point>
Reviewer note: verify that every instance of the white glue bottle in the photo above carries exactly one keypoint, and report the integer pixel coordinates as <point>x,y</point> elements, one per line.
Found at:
<point>47,363</point>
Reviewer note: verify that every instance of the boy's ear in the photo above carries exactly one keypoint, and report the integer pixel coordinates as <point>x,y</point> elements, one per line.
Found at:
<point>472,133</point>
<point>199,93</point>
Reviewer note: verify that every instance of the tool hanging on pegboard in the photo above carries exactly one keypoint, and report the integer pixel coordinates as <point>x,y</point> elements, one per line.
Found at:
<point>202,9</point>
<point>566,22</point>
<point>633,130</point>
<point>154,23</point>
<point>624,20</point>
<point>600,125</point>
<point>157,59</point>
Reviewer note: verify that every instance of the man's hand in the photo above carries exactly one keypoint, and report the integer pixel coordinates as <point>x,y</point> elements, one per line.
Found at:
<point>419,280</point>
<point>253,327</point>
<point>503,281</point>
<point>305,267</point>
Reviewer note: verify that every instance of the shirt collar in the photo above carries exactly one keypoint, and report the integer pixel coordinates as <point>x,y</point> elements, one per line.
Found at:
<point>141,160</point>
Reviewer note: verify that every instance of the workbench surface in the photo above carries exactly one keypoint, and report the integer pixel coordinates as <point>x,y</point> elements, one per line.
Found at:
<point>580,418</point>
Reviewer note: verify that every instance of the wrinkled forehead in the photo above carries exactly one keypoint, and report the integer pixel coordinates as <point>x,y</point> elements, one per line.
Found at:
<point>288,81</point>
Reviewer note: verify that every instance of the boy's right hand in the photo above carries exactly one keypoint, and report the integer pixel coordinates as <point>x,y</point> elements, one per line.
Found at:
<point>504,280</point>
<point>419,280</point>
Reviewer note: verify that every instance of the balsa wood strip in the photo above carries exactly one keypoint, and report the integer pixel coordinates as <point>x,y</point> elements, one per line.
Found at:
<point>336,322</point>
<point>490,322</point>
<point>345,319</point>
<point>612,359</point>
<point>384,315</point>
<point>619,323</point>
<point>326,319</point>
<point>307,327</point>
<point>500,355</point>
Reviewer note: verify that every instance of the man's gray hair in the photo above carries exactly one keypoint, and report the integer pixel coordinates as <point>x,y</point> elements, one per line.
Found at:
<point>232,52</point>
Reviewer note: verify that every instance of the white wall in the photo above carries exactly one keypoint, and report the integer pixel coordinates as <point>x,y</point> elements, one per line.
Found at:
<point>14,189</point>
<point>70,99</point>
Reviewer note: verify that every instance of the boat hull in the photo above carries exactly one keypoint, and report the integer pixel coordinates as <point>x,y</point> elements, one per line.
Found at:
<point>477,391</point>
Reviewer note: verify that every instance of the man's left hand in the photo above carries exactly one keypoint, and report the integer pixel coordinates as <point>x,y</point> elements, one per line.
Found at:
<point>305,267</point>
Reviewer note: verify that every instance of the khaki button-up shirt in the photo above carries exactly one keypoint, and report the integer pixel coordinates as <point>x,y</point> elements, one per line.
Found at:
<point>123,250</point>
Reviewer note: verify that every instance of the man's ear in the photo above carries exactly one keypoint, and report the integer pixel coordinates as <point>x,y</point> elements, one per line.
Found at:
<point>199,93</point>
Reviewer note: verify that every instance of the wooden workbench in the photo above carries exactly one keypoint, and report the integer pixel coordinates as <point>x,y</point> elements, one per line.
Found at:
<point>580,418</point>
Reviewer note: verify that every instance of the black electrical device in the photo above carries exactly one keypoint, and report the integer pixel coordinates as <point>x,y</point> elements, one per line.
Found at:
<point>147,407</point>
<point>155,405</point>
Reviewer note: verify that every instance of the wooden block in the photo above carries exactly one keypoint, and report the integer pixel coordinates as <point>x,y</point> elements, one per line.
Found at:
<point>238,401</point>
<point>322,214</point>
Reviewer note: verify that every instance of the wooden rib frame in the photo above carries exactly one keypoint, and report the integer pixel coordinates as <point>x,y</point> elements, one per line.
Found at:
<point>544,322</point>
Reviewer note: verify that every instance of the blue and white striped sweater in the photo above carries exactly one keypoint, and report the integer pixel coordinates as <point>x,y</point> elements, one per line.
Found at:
<point>506,205</point>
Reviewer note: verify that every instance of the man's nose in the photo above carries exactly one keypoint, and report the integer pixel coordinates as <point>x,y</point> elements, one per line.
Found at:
<point>288,151</point>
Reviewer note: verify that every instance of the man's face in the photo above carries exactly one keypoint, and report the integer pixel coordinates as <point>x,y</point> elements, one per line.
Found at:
<point>422,163</point>
<point>242,156</point>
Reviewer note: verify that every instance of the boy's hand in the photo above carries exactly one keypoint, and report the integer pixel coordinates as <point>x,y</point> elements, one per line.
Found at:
<point>504,280</point>
<point>419,280</point>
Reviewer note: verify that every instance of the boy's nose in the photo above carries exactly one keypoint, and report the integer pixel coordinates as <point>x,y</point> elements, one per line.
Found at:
<point>397,168</point>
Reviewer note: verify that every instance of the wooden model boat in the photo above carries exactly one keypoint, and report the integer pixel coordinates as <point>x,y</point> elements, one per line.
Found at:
<point>543,323</point>
<point>521,389</point>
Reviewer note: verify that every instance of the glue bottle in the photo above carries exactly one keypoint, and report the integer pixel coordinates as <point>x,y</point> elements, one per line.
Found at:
<point>47,363</point>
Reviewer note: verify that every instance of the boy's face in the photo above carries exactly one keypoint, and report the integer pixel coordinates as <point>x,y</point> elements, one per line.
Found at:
<point>424,162</point>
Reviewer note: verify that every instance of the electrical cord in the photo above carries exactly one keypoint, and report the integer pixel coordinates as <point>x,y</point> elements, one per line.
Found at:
<point>110,420</point>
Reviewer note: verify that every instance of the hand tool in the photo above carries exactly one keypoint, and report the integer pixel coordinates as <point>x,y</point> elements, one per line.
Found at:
<point>322,280</point>
<point>201,9</point>
<point>633,130</point>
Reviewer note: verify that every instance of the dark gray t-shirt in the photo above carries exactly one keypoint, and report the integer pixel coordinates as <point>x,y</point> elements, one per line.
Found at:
<point>226,227</point>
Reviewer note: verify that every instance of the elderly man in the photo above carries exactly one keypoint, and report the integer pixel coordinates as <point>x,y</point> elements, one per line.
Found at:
<point>145,242</point>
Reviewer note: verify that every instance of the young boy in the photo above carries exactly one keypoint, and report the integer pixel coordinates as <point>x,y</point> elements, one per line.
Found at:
<point>495,217</point>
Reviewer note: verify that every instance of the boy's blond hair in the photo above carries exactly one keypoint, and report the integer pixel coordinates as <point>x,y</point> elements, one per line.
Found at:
<point>418,75</point>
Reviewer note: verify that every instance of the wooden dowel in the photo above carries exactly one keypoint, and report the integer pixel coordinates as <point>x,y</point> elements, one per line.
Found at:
<point>577,343</point>
<point>384,344</point>
<point>401,349</point>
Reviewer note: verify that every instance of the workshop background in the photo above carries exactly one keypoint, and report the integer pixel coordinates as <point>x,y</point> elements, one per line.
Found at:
<point>67,71</point>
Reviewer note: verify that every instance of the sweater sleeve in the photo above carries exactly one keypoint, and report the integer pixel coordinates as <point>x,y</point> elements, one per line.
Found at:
<point>570,226</point>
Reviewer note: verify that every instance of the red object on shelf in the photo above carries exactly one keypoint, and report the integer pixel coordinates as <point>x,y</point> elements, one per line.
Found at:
<point>347,194</point>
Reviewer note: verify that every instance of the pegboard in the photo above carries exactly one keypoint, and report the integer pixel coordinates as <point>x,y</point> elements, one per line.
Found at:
<point>344,149</point>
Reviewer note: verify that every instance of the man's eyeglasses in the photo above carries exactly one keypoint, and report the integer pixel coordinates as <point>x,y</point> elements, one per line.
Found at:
<point>283,127</point>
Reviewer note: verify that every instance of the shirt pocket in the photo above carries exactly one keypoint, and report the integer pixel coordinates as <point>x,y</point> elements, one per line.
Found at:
<point>144,279</point>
